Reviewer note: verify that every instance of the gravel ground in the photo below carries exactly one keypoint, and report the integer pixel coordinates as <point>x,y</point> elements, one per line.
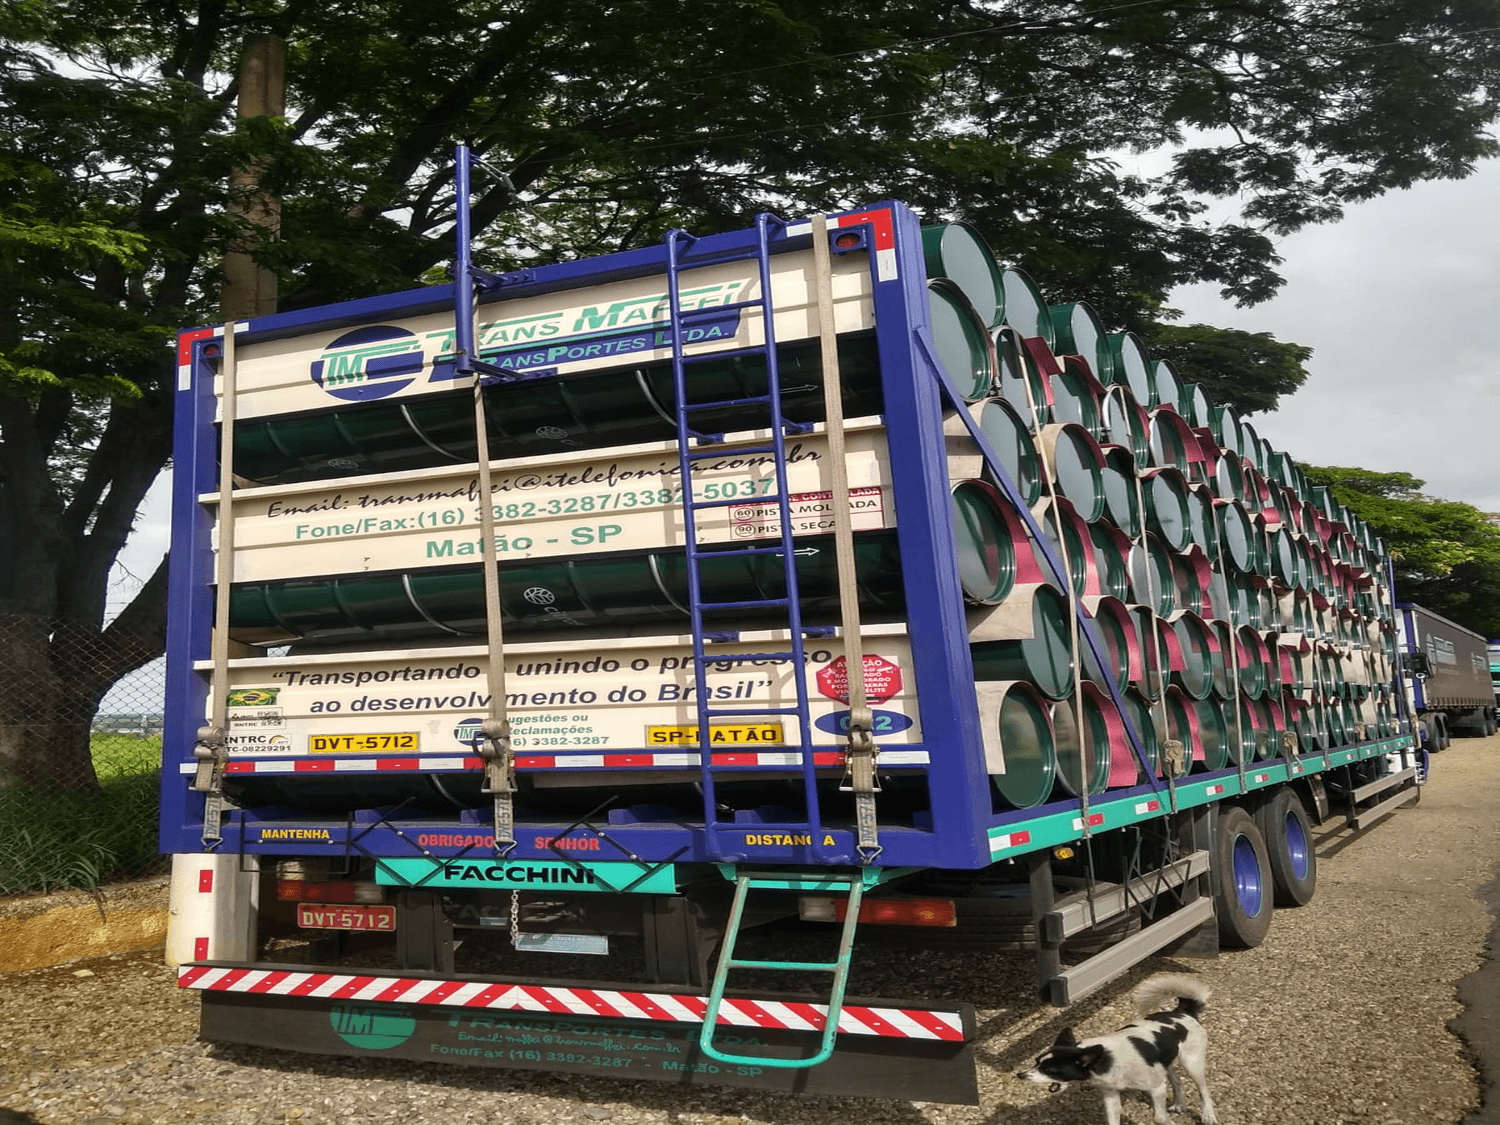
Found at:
<point>1339,1018</point>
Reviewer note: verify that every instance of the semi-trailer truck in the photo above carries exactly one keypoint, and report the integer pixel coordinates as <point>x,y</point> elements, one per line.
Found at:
<point>1447,670</point>
<point>578,668</point>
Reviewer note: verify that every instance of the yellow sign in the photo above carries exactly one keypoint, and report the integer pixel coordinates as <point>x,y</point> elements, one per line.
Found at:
<point>725,734</point>
<point>361,743</point>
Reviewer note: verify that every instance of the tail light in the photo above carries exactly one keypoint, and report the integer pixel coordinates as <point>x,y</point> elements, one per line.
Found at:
<point>880,911</point>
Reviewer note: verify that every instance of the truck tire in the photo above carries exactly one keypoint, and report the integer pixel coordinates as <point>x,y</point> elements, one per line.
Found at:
<point>1242,880</point>
<point>1441,737</point>
<point>1287,829</point>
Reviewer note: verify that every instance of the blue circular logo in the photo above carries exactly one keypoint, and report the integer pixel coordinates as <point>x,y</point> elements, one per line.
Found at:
<point>369,363</point>
<point>467,731</point>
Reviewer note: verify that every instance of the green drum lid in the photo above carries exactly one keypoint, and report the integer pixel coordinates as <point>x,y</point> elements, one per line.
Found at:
<point>1167,507</point>
<point>1121,500</point>
<point>1236,536</point>
<point>1025,310</point>
<point>1171,441</point>
<point>1117,630</point>
<point>1192,577</point>
<point>958,252</point>
<point>1166,387</point>
<point>1213,733</point>
<point>1196,652</point>
<point>1081,333</point>
<point>1252,657</point>
<point>1024,729</point>
<point>1077,468</point>
<point>1132,366</point>
<point>1018,381</point>
<point>1229,478</point>
<point>1075,549</point>
<point>1073,400</point>
<point>1111,557</point>
<point>1182,729</point>
<point>961,340</point>
<point>1123,423</point>
<point>1003,427</point>
<point>1193,405</point>
<point>1268,725</point>
<point>1043,659</point>
<point>1150,675</point>
<point>1081,737</point>
<point>983,541</point>
<point>1152,583</point>
<point>1204,527</point>
<point>1140,714</point>
<point>1224,424</point>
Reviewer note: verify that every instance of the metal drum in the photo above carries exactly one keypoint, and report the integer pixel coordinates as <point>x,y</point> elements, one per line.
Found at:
<point>984,541</point>
<point>1082,749</point>
<point>1132,364</point>
<point>1080,332</point>
<point>1024,308</point>
<point>961,339</point>
<point>1213,734</point>
<point>1042,656</point>
<point>1077,467</point>
<point>1019,728</point>
<point>959,253</point>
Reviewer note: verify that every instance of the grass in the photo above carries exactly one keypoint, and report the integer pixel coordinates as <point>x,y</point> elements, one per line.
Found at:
<point>53,841</point>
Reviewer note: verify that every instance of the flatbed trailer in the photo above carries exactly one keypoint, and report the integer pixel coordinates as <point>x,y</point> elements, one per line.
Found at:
<point>999,635</point>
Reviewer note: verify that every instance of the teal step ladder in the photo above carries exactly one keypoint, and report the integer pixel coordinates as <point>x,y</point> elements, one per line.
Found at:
<point>853,886</point>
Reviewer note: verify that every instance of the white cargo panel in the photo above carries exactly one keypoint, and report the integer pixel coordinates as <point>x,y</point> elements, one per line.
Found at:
<point>617,324</point>
<point>583,503</point>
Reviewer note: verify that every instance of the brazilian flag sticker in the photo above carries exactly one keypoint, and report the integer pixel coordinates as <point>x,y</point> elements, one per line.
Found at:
<point>253,697</point>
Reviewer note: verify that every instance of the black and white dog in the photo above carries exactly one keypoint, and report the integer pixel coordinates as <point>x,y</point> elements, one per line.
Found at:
<point>1140,1056</point>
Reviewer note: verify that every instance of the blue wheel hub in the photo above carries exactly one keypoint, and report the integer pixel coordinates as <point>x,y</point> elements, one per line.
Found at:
<point>1249,888</point>
<point>1298,848</point>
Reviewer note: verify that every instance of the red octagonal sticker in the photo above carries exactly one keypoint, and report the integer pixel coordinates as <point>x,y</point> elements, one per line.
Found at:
<point>882,679</point>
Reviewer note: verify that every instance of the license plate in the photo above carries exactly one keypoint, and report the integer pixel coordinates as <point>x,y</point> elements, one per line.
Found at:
<point>311,916</point>
<point>720,734</point>
<point>361,743</point>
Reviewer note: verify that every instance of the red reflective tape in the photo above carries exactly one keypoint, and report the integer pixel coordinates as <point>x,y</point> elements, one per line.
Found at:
<point>227,982</point>
<point>311,983</point>
<point>534,761</point>
<point>313,765</point>
<point>187,978</point>
<point>395,989</point>
<point>649,1007</point>
<point>185,342</point>
<point>595,1001</point>
<point>206,881</point>
<point>630,759</point>
<point>397,764</point>
<point>1019,838</point>
<point>758,1015</point>
<point>442,992</point>
<point>270,982</point>
<point>811,1013</point>
<point>876,1023</point>
<point>545,997</point>
<point>239,767</point>
<point>200,949</point>
<point>487,996</point>
<point>735,759</point>
<point>344,991</point>
<point>934,1023</point>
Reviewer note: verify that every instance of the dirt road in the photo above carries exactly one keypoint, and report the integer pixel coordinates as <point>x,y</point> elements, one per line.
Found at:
<point>1340,1018</point>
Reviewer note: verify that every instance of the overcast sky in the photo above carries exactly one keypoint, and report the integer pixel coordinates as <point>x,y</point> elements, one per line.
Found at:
<point>1400,301</point>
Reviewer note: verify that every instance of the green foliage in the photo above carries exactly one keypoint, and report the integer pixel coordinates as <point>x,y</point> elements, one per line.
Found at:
<point>1446,554</point>
<point>55,841</point>
<point>1249,371</point>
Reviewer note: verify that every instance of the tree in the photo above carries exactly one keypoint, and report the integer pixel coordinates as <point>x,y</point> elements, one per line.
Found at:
<point>1249,371</point>
<point>607,122</point>
<point>1446,554</point>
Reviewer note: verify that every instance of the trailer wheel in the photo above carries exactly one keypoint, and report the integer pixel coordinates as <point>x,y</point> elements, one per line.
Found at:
<point>1441,738</point>
<point>1287,829</point>
<point>1242,880</point>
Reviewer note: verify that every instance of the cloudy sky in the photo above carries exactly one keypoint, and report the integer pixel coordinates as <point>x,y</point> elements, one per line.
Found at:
<point>1400,301</point>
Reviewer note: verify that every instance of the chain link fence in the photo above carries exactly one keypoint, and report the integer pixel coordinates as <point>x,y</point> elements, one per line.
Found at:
<point>80,757</point>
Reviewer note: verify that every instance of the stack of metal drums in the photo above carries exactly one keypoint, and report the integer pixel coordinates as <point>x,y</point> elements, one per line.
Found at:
<point>1243,613</point>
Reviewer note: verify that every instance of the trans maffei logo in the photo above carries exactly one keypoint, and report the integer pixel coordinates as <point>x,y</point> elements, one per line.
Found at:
<point>368,363</point>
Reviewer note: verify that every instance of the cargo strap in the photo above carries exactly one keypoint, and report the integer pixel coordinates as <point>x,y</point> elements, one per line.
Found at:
<point>212,748</point>
<point>493,745</point>
<point>861,753</point>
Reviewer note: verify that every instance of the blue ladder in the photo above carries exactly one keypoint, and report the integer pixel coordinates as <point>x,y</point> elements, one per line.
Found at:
<point>695,444</point>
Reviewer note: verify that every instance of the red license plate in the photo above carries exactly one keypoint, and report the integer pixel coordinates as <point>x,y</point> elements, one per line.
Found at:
<point>311,916</point>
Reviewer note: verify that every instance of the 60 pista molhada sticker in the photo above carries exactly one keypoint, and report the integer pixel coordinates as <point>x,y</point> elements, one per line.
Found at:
<point>407,741</point>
